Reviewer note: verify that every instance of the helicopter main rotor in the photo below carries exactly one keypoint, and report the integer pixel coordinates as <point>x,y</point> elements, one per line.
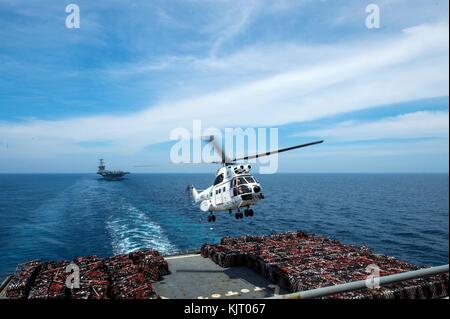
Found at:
<point>225,160</point>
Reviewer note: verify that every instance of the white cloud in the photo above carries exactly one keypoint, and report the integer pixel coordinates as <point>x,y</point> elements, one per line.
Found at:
<point>381,157</point>
<point>332,151</point>
<point>411,66</point>
<point>425,124</point>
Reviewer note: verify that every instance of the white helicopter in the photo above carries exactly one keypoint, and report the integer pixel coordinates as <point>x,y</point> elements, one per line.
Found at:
<point>234,187</point>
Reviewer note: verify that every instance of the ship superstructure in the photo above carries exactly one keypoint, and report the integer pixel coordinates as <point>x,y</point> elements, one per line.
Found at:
<point>110,175</point>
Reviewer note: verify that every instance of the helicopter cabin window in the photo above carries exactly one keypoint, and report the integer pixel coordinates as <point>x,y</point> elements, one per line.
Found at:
<point>233,186</point>
<point>219,179</point>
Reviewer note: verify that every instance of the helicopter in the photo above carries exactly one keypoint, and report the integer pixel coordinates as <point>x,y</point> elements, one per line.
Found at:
<point>234,186</point>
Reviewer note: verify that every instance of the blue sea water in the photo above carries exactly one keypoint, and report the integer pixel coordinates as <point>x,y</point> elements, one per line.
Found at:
<point>62,216</point>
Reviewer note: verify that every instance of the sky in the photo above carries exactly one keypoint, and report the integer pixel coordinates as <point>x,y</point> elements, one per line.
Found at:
<point>116,87</point>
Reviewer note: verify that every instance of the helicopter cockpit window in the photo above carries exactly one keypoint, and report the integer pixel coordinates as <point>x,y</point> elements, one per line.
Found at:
<point>250,179</point>
<point>243,189</point>
<point>219,179</point>
<point>241,181</point>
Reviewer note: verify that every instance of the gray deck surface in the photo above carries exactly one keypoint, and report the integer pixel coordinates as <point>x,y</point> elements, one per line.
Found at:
<point>193,276</point>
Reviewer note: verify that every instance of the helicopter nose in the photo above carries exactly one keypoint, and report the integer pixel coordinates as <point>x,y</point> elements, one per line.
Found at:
<point>256,189</point>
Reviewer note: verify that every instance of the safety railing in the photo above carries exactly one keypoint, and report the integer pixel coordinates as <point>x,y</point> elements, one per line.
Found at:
<point>362,284</point>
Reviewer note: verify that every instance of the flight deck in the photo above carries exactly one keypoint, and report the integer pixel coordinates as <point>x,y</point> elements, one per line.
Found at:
<point>195,277</point>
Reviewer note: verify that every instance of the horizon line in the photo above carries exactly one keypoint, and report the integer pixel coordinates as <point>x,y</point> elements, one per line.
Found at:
<point>85,173</point>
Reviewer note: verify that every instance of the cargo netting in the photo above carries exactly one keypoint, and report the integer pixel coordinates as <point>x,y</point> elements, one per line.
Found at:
<point>127,276</point>
<point>299,261</point>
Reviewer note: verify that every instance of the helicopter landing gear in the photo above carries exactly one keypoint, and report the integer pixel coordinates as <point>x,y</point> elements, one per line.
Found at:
<point>239,215</point>
<point>211,218</point>
<point>248,212</point>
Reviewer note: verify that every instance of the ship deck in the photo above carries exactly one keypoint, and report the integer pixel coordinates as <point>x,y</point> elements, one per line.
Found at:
<point>320,262</point>
<point>193,276</point>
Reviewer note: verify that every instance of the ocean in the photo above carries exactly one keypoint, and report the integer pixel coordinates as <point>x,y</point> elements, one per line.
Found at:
<point>61,216</point>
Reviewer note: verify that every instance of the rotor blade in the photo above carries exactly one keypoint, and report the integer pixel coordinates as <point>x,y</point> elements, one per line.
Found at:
<point>143,166</point>
<point>225,159</point>
<point>200,163</point>
<point>146,165</point>
<point>277,151</point>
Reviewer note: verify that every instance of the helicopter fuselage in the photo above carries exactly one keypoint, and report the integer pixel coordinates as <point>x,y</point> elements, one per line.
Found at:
<point>233,188</point>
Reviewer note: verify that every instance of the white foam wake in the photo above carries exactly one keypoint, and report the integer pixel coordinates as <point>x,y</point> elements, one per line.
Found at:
<point>133,230</point>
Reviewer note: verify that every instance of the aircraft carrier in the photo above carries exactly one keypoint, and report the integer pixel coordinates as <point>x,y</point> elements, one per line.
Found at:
<point>288,265</point>
<point>110,175</point>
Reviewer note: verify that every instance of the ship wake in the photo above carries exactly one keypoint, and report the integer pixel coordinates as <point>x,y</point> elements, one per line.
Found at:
<point>133,230</point>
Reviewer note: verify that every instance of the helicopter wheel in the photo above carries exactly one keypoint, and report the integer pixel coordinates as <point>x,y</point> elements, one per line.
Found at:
<point>209,218</point>
<point>241,215</point>
<point>213,218</point>
<point>237,215</point>
<point>250,212</point>
<point>246,213</point>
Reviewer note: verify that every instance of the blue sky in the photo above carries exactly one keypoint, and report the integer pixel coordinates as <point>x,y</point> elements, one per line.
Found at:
<point>135,70</point>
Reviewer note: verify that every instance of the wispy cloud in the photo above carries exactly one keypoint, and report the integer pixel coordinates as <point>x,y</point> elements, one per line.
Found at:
<point>234,22</point>
<point>376,157</point>
<point>425,124</point>
<point>411,66</point>
<point>242,63</point>
<point>374,149</point>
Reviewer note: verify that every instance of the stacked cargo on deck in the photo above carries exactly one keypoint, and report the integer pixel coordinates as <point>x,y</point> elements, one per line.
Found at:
<point>299,261</point>
<point>151,263</point>
<point>50,281</point>
<point>127,281</point>
<point>94,280</point>
<point>20,285</point>
<point>123,276</point>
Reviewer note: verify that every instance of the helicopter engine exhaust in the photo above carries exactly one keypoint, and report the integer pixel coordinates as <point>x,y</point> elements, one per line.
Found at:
<point>242,169</point>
